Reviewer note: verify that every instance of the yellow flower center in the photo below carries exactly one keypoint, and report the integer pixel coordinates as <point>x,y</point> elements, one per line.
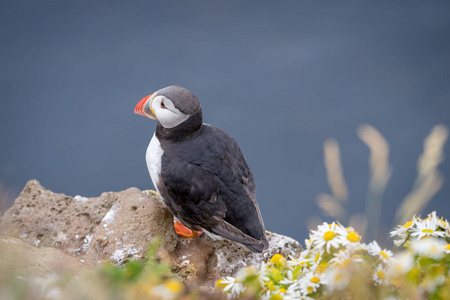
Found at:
<point>384,254</point>
<point>276,297</point>
<point>282,290</point>
<point>309,289</point>
<point>329,235</point>
<point>315,279</point>
<point>427,231</point>
<point>174,286</point>
<point>220,284</point>
<point>447,247</point>
<point>381,275</point>
<point>353,237</point>
<point>408,224</point>
<point>278,259</point>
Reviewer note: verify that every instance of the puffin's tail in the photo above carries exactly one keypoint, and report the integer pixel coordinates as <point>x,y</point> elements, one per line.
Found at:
<point>256,248</point>
<point>230,232</point>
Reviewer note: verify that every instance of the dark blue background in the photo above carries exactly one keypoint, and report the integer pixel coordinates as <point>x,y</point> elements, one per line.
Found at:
<point>280,77</point>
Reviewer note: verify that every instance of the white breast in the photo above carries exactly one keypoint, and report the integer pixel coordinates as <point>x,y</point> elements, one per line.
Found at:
<point>153,158</point>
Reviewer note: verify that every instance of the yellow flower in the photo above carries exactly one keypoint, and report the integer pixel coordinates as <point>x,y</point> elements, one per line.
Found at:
<point>278,259</point>
<point>170,289</point>
<point>315,279</point>
<point>353,237</point>
<point>220,284</point>
<point>174,286</point>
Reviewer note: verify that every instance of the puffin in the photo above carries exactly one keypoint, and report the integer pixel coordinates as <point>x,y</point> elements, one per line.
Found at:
<point>199,172</point>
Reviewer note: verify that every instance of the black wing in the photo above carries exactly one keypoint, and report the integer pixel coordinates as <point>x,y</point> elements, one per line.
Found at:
<point>214,189</point>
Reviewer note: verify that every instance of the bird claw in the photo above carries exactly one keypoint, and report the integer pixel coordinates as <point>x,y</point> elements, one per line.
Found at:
<point>185,232</point>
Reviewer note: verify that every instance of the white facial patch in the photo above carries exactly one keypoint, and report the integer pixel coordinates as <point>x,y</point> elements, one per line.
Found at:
<point>167,114</point>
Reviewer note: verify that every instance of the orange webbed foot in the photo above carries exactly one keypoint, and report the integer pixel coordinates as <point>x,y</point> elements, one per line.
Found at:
<point>185,232</point>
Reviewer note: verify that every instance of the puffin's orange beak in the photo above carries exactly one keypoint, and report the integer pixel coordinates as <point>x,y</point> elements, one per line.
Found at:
<point>144,108</point>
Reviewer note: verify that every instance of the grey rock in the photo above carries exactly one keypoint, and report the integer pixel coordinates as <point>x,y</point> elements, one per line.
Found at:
<point>130,225</point>
<point>115,226</point>
<point>48,219</point>
<point>118,226</point>
<point>20,258</point>
<point>231,256</point>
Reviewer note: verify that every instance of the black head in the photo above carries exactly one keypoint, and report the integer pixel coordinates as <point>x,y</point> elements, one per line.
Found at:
<point>176,108</point>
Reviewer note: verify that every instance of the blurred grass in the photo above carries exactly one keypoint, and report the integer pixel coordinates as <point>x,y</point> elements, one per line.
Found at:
<point>428,181</point>
<point>380,172</point>
<point>151,278</point>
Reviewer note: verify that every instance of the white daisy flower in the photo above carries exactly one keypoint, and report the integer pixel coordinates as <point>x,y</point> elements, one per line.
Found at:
<point>307,243</point>
<point>380,275</point>
<point>401,264</point>
<point>427,228</point>
<point>400,241</point>
<point>300,261</point>
<point>233,285</point>
<point>263,273</point>
<point>346,256</point>
<point>310,282</point>
<point>405,227</point>
<point>402,231</point>
<point>440,221</point>
<point>325,237</point>
<point>247,272</point>
<point>342,257</point>
<point>446,248</point>
<point>375,250</point>
<point>266,295</point>
<point>443,224</point>
<point>297,262</point>
<point>293,293</point>
<point>429,247</point>
<point>295,287</point>
<point>347,236</point>
<point>313,259</point>
<point>336,279</point>
<point>170,289</point>
<point>359,247</point>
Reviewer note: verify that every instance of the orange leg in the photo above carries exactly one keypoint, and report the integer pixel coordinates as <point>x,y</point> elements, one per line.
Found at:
<point>185,232</point>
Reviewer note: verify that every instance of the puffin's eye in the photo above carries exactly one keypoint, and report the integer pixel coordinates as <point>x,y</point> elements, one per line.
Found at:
<point>163,105</point>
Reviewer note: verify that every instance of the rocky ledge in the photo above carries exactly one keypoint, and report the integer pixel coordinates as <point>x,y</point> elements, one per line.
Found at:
<point>45,232</point>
